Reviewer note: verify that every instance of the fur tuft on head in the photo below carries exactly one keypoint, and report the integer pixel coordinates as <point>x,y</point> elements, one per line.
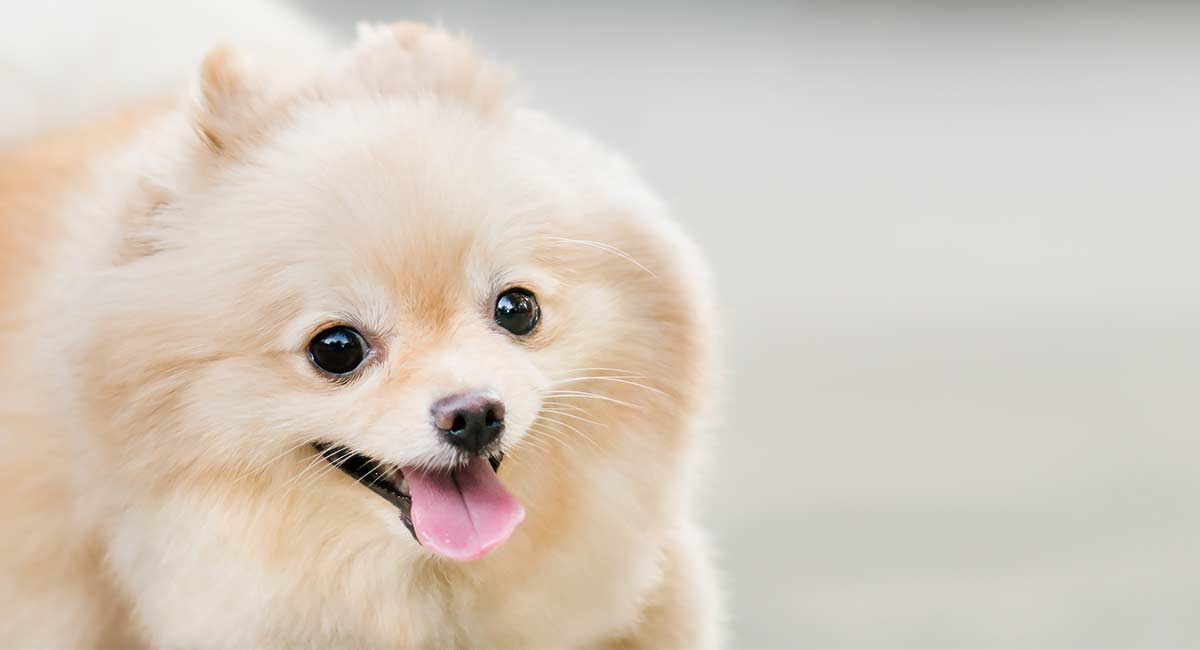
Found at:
<point>411,59</point>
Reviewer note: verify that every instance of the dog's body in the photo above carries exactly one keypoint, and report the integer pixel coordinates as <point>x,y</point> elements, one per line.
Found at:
<point>162,270</point>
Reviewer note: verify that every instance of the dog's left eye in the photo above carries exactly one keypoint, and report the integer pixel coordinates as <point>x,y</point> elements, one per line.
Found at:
<point>517,311</point>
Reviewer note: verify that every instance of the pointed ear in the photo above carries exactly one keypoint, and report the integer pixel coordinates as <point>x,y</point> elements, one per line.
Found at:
<point>225,106</point>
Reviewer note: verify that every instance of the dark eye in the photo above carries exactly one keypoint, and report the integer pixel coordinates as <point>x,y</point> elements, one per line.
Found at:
<point>337,350</point>
<point>517,311</point>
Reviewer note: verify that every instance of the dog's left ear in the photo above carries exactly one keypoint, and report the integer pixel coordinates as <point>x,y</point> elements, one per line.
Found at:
<point>226,107</point>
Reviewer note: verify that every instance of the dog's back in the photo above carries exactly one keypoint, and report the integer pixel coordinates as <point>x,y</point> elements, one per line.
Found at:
<point>51,561</point>
<point>78,82</point>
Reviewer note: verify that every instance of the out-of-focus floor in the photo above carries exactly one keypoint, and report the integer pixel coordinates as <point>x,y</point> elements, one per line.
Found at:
<point>957,249</point>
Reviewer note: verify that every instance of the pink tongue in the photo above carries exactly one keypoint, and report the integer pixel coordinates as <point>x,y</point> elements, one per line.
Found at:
<point>464,514</point>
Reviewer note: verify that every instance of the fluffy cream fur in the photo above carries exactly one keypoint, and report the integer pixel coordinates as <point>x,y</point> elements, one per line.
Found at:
<point>163,272</point>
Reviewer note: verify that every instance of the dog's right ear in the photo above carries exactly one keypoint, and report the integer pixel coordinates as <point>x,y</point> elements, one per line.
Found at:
<point>225,106</point>
<point>225,114</point>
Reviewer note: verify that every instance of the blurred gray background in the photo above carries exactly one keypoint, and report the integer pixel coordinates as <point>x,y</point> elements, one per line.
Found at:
<point>956,245</point>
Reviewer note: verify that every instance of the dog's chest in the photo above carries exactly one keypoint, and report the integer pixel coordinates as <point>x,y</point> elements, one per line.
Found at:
<point>559,602</point>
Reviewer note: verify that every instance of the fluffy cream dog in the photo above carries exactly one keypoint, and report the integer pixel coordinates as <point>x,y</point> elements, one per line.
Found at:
<point>381,265</point>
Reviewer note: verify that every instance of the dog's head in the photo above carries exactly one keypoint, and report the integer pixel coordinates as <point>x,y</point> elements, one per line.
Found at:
<point>389,268</point>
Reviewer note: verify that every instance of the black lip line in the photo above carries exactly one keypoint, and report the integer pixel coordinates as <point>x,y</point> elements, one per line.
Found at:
<point>374,475</point>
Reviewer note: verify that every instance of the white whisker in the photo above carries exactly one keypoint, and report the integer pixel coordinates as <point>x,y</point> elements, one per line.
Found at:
<point>576,430</point>
<point>573,416</point>
<point>567,405</point>
<point>374,468</point>
<point>332,466</point>
<point>587,395</point>
<point>620,370</point>
<point>609,248</point>
<point>263,466</point>
<point>315,461</point>
<point>549,433</point>
<point>619,380</point>
<point>295,481</point>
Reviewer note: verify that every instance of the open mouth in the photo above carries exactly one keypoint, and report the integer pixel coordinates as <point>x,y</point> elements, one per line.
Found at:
<point>461,513</point>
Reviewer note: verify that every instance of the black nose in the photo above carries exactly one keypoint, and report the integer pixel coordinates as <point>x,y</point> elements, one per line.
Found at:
<point>469,421</point>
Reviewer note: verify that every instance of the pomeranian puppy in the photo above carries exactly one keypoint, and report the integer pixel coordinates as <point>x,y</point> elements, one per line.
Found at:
<point>356,354</point>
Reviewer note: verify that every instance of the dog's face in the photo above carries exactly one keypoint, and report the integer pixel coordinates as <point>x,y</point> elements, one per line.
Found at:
<point>407,289</point>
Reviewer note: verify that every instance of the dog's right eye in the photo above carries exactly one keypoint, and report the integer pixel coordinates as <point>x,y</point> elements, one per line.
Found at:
<point>337,350</point>
<point>517,311</point>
